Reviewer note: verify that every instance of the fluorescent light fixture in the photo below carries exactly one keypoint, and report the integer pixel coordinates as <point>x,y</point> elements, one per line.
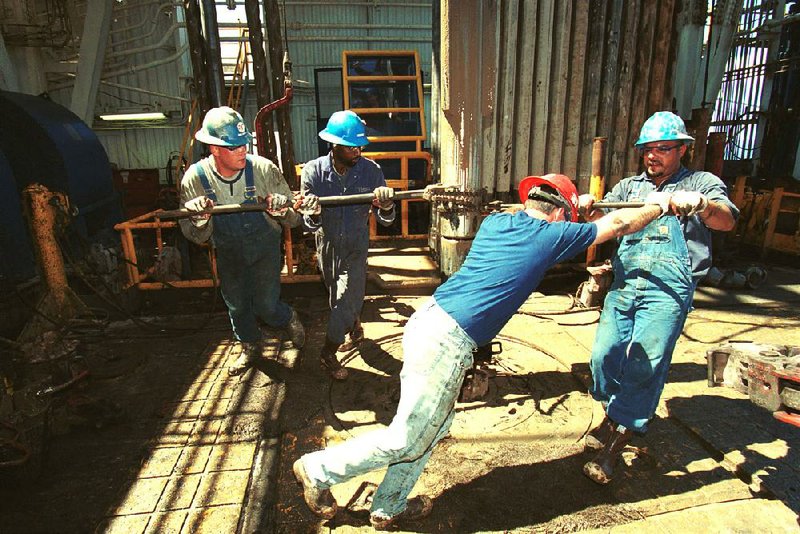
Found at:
<point>142,116</point>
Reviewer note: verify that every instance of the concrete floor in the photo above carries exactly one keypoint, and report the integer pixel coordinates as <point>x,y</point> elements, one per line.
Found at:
<point>182,447</point>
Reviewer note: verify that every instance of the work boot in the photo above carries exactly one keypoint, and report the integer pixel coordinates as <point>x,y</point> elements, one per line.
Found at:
<point>596,438</point>
<point>416,508</point>
<point>601,468</point>
<point>352,338</point>
<point>246,359</point>
<point>296,332</point>
<point>319,500</point>
<point>329,361</point>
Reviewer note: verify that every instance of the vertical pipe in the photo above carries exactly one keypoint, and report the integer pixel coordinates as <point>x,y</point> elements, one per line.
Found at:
<point>701,118</point>
<point>261,75</point>
<point>197,49</point>
<point>435,104</point>
<point>216,86</point>
<point>42,224</point>
<point>715,153</point>
<point>597,182</point>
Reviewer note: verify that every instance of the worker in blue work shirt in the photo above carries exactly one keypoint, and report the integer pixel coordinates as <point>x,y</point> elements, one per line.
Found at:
<point>342,232</point>
<point>247,244</point>
<point>655,275</point>
<point>508,258</point>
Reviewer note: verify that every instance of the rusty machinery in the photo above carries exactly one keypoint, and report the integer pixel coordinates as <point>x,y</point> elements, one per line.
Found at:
<point>768,374</point>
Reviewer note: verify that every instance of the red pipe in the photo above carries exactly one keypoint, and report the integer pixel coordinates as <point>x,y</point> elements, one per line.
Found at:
<point>272,106</point>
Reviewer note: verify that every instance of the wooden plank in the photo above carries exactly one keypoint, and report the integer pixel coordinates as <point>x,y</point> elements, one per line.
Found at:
<point>656,100</point>
<point>594,65</point>
<point>559,77</point>
<point>606,126</point>
<point>622,129</point>
<point>646,36</point>
<point>522,125</point>
<point>577,67</point>
<point>490,82</point>
<point>507,78</point>
<point>542,88</point>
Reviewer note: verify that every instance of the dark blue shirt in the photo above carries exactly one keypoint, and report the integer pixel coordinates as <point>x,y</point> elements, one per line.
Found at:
<point>508,258</point>
<point>695,232</point>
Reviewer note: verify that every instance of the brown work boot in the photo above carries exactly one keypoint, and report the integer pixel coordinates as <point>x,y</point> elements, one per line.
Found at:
<point>601,468</point>
<point>319,500</point>
<point>296,332</point>
<point>416,508</point>
<point>597,437</point>
<point>330,362</point>
<point>246,359</point>
<point>352,338</point>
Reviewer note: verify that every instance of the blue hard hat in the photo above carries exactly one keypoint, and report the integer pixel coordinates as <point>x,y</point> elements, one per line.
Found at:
<point>345,128</point>
<point>223,126</point>
<point>663,126</point>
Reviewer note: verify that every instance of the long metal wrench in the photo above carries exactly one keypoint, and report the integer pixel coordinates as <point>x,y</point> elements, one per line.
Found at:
<point>364,198</point>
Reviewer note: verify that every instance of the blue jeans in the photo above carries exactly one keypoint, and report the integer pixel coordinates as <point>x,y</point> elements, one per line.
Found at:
<point>436,355</point>
<point>643,316</point>
<point>249,268</point>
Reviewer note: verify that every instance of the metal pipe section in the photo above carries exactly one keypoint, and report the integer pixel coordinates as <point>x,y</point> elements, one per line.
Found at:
<point>208,11</point>
<point>597,182</point>
<point>340,200</point>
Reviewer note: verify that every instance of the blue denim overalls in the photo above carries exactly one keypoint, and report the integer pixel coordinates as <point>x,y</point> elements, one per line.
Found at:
<point>642,318</point>
<point>249,265</point>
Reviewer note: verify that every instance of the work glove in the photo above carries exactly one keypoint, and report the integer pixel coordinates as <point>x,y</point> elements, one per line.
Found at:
<point>586,205</point>
<point>688,202</point>
<point>277,204</point>
<point>383,198</point>
<point>198,204</point>
<point>660,199</point>
<point>307,204</point>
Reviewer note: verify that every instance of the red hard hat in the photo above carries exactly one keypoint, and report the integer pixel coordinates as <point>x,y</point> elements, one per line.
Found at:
<point>567,194</point>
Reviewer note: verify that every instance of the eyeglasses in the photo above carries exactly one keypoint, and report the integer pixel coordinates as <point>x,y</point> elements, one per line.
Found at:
<point>657,150</point>
<point>234,148</point>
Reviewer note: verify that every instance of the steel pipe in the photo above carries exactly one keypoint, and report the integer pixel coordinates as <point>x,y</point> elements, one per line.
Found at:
<point>343,200</point>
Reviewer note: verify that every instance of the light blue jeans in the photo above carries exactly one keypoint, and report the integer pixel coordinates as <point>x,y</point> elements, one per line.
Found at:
<point>436,355</point>
<point>642,319</point>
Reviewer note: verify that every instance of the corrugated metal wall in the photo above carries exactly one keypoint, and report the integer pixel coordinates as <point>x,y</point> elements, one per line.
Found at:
<point>318,32</point>
<point>567,72</point>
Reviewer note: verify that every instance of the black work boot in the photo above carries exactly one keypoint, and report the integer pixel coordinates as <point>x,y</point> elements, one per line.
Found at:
<point>329,361</point>
<point>352,338</point>
<point>597,437</point>
<point>601,468</point>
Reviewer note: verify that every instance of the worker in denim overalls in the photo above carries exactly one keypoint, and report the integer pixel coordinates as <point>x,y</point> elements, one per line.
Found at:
<point>247,244</point>
<point>655,273</point>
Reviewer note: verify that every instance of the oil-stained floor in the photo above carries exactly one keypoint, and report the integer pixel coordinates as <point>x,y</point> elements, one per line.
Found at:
<point>158,438</point>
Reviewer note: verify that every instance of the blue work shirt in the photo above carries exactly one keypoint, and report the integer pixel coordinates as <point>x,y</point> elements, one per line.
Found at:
<point>347,223</point>
<point>508,258</point>
<point>695,232</point>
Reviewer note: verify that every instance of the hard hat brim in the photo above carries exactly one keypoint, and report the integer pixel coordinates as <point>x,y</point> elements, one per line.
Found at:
<point>325,135</point>
<point>202,136</point>
<point>688,139</point>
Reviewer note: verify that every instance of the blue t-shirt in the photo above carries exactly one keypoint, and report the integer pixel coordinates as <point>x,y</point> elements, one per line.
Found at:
<point>508,258</point>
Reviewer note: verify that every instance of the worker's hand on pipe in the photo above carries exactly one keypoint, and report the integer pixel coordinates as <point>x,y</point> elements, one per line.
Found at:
<point>586,207</point>
<point>383,198</point>
<point>307,204</point>
<point>277,204</point>
<point>688,202</point>
<point>660,199</point>
<point>198,204</point>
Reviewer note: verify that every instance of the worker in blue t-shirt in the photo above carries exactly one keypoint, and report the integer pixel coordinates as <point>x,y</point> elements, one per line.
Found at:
<point>508,258</point>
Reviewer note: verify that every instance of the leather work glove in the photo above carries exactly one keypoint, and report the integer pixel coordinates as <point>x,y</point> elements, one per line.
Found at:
<point>307,204</point>
<point>277,204</point>
<point>688,202</point>
<point>196,204</point>
<point>659,198</point>
<point>585,205</point>
<point>383,198</point>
